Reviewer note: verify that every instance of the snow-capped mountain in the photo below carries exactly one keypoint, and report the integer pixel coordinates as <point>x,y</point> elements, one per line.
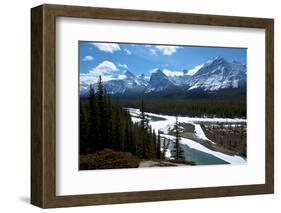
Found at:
<point>215,75</point>
<point>194,70</point>
<point>128,83</point>
<point>218,74</point>
<point>159,82</point>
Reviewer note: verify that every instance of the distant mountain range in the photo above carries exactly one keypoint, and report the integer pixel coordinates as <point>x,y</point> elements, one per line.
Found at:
<point>214,76</point>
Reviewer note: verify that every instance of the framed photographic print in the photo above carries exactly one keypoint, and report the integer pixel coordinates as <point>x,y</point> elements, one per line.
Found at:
<point>137,106</point>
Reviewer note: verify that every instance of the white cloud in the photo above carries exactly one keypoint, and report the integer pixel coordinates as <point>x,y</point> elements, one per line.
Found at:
<point>128,52</point>
<point>152,51</point>
<point>105,69</point>
<point>107,47</point>
<point>125,66</point>
<point>172,73</point>
<point>88,58</point>
<point>167,50</point>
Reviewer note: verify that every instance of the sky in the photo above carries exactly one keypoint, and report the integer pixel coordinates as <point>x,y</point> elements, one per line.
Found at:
<point>110,60</point>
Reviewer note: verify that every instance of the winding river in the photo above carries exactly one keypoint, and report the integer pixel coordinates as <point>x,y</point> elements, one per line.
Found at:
<point>193,150</point>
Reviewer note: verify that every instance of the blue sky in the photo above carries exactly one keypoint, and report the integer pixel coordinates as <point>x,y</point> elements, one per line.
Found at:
<point>96,58</point>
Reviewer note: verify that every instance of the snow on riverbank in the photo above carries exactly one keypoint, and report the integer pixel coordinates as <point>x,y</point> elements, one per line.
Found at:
<point>165,125</point>
<point>168,153</point>
<point>185,119</point>
<point>200,133</point>
<point>194,145</point>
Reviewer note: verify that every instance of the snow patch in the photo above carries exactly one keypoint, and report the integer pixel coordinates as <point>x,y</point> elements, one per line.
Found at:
<point>194,145</point>
<point>168,154</point>
<point>165,125</point>
<point>200,133</point>
<point>194,70</point>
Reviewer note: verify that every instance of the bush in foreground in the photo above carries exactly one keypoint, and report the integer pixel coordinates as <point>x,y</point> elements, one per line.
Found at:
<point>186,162</point>
<point>108,159</point>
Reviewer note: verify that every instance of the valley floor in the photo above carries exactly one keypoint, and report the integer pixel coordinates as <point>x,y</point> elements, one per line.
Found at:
<point>204,140</point>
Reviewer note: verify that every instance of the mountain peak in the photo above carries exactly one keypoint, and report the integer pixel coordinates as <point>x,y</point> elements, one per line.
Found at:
<point>218,74</point>
<point>128,74</point>
<point>158,82</point>
<point>157,71</point>
<point>219,59</point>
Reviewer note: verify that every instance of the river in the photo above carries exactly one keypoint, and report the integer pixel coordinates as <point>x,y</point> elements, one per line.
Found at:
<point>193,150</point>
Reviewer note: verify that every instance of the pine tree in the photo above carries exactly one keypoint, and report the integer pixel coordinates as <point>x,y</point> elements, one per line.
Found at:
<point>104,125</point>
<point>117,131</point>
<point>93,131</point>
<point>103,118</point>
<point>127,139</point>
<point>132,139</point>
<point>109,120</point>
<point>177,153</point>
<point>144,132</point>
<point>83,130</point>
<point>158,147</point>
<point>151,143</point>
<point>144,120</point>
<point>139,134</point>
<point>164,147</point>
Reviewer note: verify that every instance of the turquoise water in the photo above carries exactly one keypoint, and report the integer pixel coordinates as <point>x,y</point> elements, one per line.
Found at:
<point>201,158</point>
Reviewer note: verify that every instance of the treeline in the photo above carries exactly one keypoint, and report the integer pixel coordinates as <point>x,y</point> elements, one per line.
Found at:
<point>193,108</point>
<point>230,136</point>
<point>106,125</point>
<point>177,153</point>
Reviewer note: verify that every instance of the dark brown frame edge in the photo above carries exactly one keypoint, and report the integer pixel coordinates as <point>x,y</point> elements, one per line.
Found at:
<point>43,105</point>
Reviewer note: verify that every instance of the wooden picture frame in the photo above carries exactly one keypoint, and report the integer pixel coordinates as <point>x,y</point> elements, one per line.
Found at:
<point>43,105</point>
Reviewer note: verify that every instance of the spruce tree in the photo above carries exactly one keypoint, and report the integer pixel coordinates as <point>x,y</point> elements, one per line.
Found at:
<point>158,147</point>
<point>164,147</point>
<point>103,118</point>
<point>117,131</point>
<point>151,143</point>
<point>83,130</point>
<point>109,123</point>
<point>93,131</point>
<point>144,132</point>
<point>144,120</point>
<point>127,135</point>
<point>177,153</point>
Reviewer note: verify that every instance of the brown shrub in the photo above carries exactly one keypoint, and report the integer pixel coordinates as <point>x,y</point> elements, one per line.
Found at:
<point>186,162</point>
<point>108,159</point>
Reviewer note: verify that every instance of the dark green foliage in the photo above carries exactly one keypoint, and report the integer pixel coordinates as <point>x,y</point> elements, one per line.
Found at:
<point>166,143</point>
<point>103,115</point>
<point>106,125</point>
<point>93,122</point>
<point>177,152</point>
<point>191,107</point>
<point>231,137</point>
<point>146,144</point>
<point>158,147</point>
<point>83,136</point>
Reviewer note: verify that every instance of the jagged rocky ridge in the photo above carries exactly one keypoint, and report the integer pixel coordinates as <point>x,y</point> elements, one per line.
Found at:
<point>213,76</point>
